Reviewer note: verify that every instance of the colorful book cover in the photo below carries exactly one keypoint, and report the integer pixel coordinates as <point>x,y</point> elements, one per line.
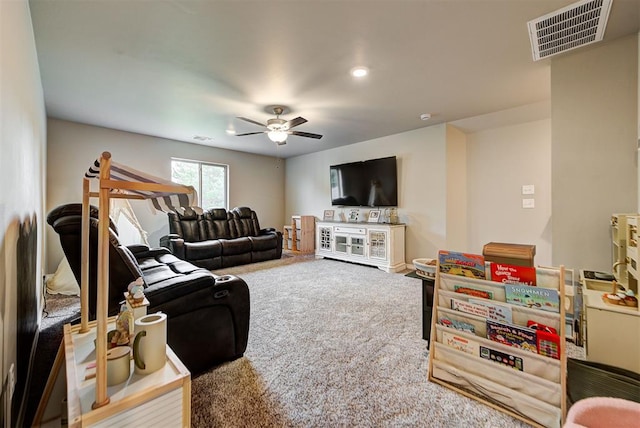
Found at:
<point>472,291</point>
<point>469,308</point>
<point>547,338</point>
<point>509,274</point>
<point>502,358</point>
<point>461,343</point>
<point>545,299</point>
<point>463,264</point>
<point>548,344</point>
<point>512,335</point>
<point>458,325</point>
<point>497,312</point>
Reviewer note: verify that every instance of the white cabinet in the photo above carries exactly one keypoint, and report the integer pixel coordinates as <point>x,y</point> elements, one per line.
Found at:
<point>613,332</point>
<point>380,245</point>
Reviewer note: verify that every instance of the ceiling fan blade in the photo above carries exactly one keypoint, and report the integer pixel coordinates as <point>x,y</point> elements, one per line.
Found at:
<point>252,121</point>
<point>251,133</point>
<point>295,122</point>
<point>305,134</point>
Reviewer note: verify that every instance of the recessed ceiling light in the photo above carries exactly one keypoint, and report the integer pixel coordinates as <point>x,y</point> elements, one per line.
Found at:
<point>359,72</point>
<point>231,131</point>
<point>425,116</point>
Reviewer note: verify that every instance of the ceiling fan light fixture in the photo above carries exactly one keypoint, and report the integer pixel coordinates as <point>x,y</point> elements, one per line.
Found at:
<point>277,136</point>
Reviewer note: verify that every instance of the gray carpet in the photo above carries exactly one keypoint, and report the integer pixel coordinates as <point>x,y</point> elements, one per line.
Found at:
<point>332,344</point>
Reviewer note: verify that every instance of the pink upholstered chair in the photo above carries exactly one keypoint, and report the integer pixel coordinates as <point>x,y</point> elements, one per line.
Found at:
<point>603,412</point>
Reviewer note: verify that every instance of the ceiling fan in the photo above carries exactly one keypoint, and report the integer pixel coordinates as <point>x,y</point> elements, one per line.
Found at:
<point>279,129</point>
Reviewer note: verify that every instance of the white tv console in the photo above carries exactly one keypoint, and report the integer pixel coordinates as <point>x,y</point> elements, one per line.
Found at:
<point>375,244</point>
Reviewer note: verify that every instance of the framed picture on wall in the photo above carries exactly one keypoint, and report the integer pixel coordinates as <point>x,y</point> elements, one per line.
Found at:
<point>374,215</point>
<point>328,215</point>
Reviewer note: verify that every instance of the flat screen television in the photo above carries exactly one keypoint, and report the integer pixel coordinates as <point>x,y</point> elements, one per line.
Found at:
<point>371,183</point>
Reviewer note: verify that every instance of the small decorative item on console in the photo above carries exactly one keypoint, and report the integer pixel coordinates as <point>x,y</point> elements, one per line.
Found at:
<point>374,215</point>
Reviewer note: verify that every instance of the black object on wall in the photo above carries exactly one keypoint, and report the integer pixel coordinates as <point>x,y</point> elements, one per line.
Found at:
<point>371,183</point>
<point>27,311</point>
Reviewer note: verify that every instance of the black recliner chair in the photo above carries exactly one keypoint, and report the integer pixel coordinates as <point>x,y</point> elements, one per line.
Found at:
<point>207,314</point>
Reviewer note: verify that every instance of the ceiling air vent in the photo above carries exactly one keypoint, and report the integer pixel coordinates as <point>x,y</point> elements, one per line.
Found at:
<point>576,25</point>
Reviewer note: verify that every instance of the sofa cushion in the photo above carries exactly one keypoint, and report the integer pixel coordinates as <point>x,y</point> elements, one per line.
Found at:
<point>235,246</point>
<point>215,224</point>
<point>263,242</point>
<point>244,222</point>
<point>202,250</point>
<point>185,225</point>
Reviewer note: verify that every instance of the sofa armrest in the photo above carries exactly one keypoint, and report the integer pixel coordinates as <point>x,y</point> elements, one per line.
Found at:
<point>166,239</point>
<point>267,230</point>
<point>138,248</point>
<point>144,252</point>
<point>174,243</point>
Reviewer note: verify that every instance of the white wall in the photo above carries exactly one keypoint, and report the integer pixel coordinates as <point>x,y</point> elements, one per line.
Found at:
<point>255,181</point>
<point>457,191</point>
<point>457,195</point>
<point>594,151</point>
<point>500,161</point>
<point>422,198</point>
<point>22,165</point>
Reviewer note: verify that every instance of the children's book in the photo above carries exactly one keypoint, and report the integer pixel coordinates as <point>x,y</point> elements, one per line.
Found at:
<point>472,291</point>
<point>469,308</point>
<point>458,325</point>
<point>547,339</point>
<point>463,264</point>
<point>461,343</point>
<point>502,358</point>
<point>512,335</point>
<point>497,312</point>
<point>545,299</point>
<point>508,274</point>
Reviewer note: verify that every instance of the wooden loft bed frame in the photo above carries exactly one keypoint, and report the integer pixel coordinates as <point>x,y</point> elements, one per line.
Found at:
<point>116,181</point>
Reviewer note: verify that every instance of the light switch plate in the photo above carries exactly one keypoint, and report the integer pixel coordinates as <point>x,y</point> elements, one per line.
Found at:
<point>528,189</point>
<point>528,203</point>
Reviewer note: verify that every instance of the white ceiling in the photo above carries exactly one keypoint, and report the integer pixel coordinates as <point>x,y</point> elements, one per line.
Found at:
<point>183,68</point>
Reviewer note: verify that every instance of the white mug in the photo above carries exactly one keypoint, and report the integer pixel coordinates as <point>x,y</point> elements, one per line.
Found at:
<point>149,345</point>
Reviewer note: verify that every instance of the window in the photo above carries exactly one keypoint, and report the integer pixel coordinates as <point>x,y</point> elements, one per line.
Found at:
<point>209,179</point>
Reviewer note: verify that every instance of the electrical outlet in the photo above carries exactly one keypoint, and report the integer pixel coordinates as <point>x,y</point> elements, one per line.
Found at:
<point>12,380</point>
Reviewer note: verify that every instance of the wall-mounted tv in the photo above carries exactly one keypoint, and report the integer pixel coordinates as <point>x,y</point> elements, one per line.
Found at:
<point>371,183</point>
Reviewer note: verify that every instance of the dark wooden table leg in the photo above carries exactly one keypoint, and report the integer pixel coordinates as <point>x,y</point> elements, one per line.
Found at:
<point>427,307</point>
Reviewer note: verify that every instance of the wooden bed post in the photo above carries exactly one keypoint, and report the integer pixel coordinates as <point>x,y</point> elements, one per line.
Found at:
<point>103,282</point>
<point>84,264</point>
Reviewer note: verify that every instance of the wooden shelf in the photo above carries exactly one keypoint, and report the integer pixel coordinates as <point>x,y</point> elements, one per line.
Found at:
<point>300,235</point>
<point>461,360</point>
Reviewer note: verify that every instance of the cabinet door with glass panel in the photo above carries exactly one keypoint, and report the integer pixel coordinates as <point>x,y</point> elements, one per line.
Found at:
<point>378,244</point>
<point>325,237</point>
<point>353,245</point>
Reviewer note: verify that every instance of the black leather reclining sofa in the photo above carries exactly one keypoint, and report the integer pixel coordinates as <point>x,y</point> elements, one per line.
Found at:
<point>207,315</point>
<point>217,239</point>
